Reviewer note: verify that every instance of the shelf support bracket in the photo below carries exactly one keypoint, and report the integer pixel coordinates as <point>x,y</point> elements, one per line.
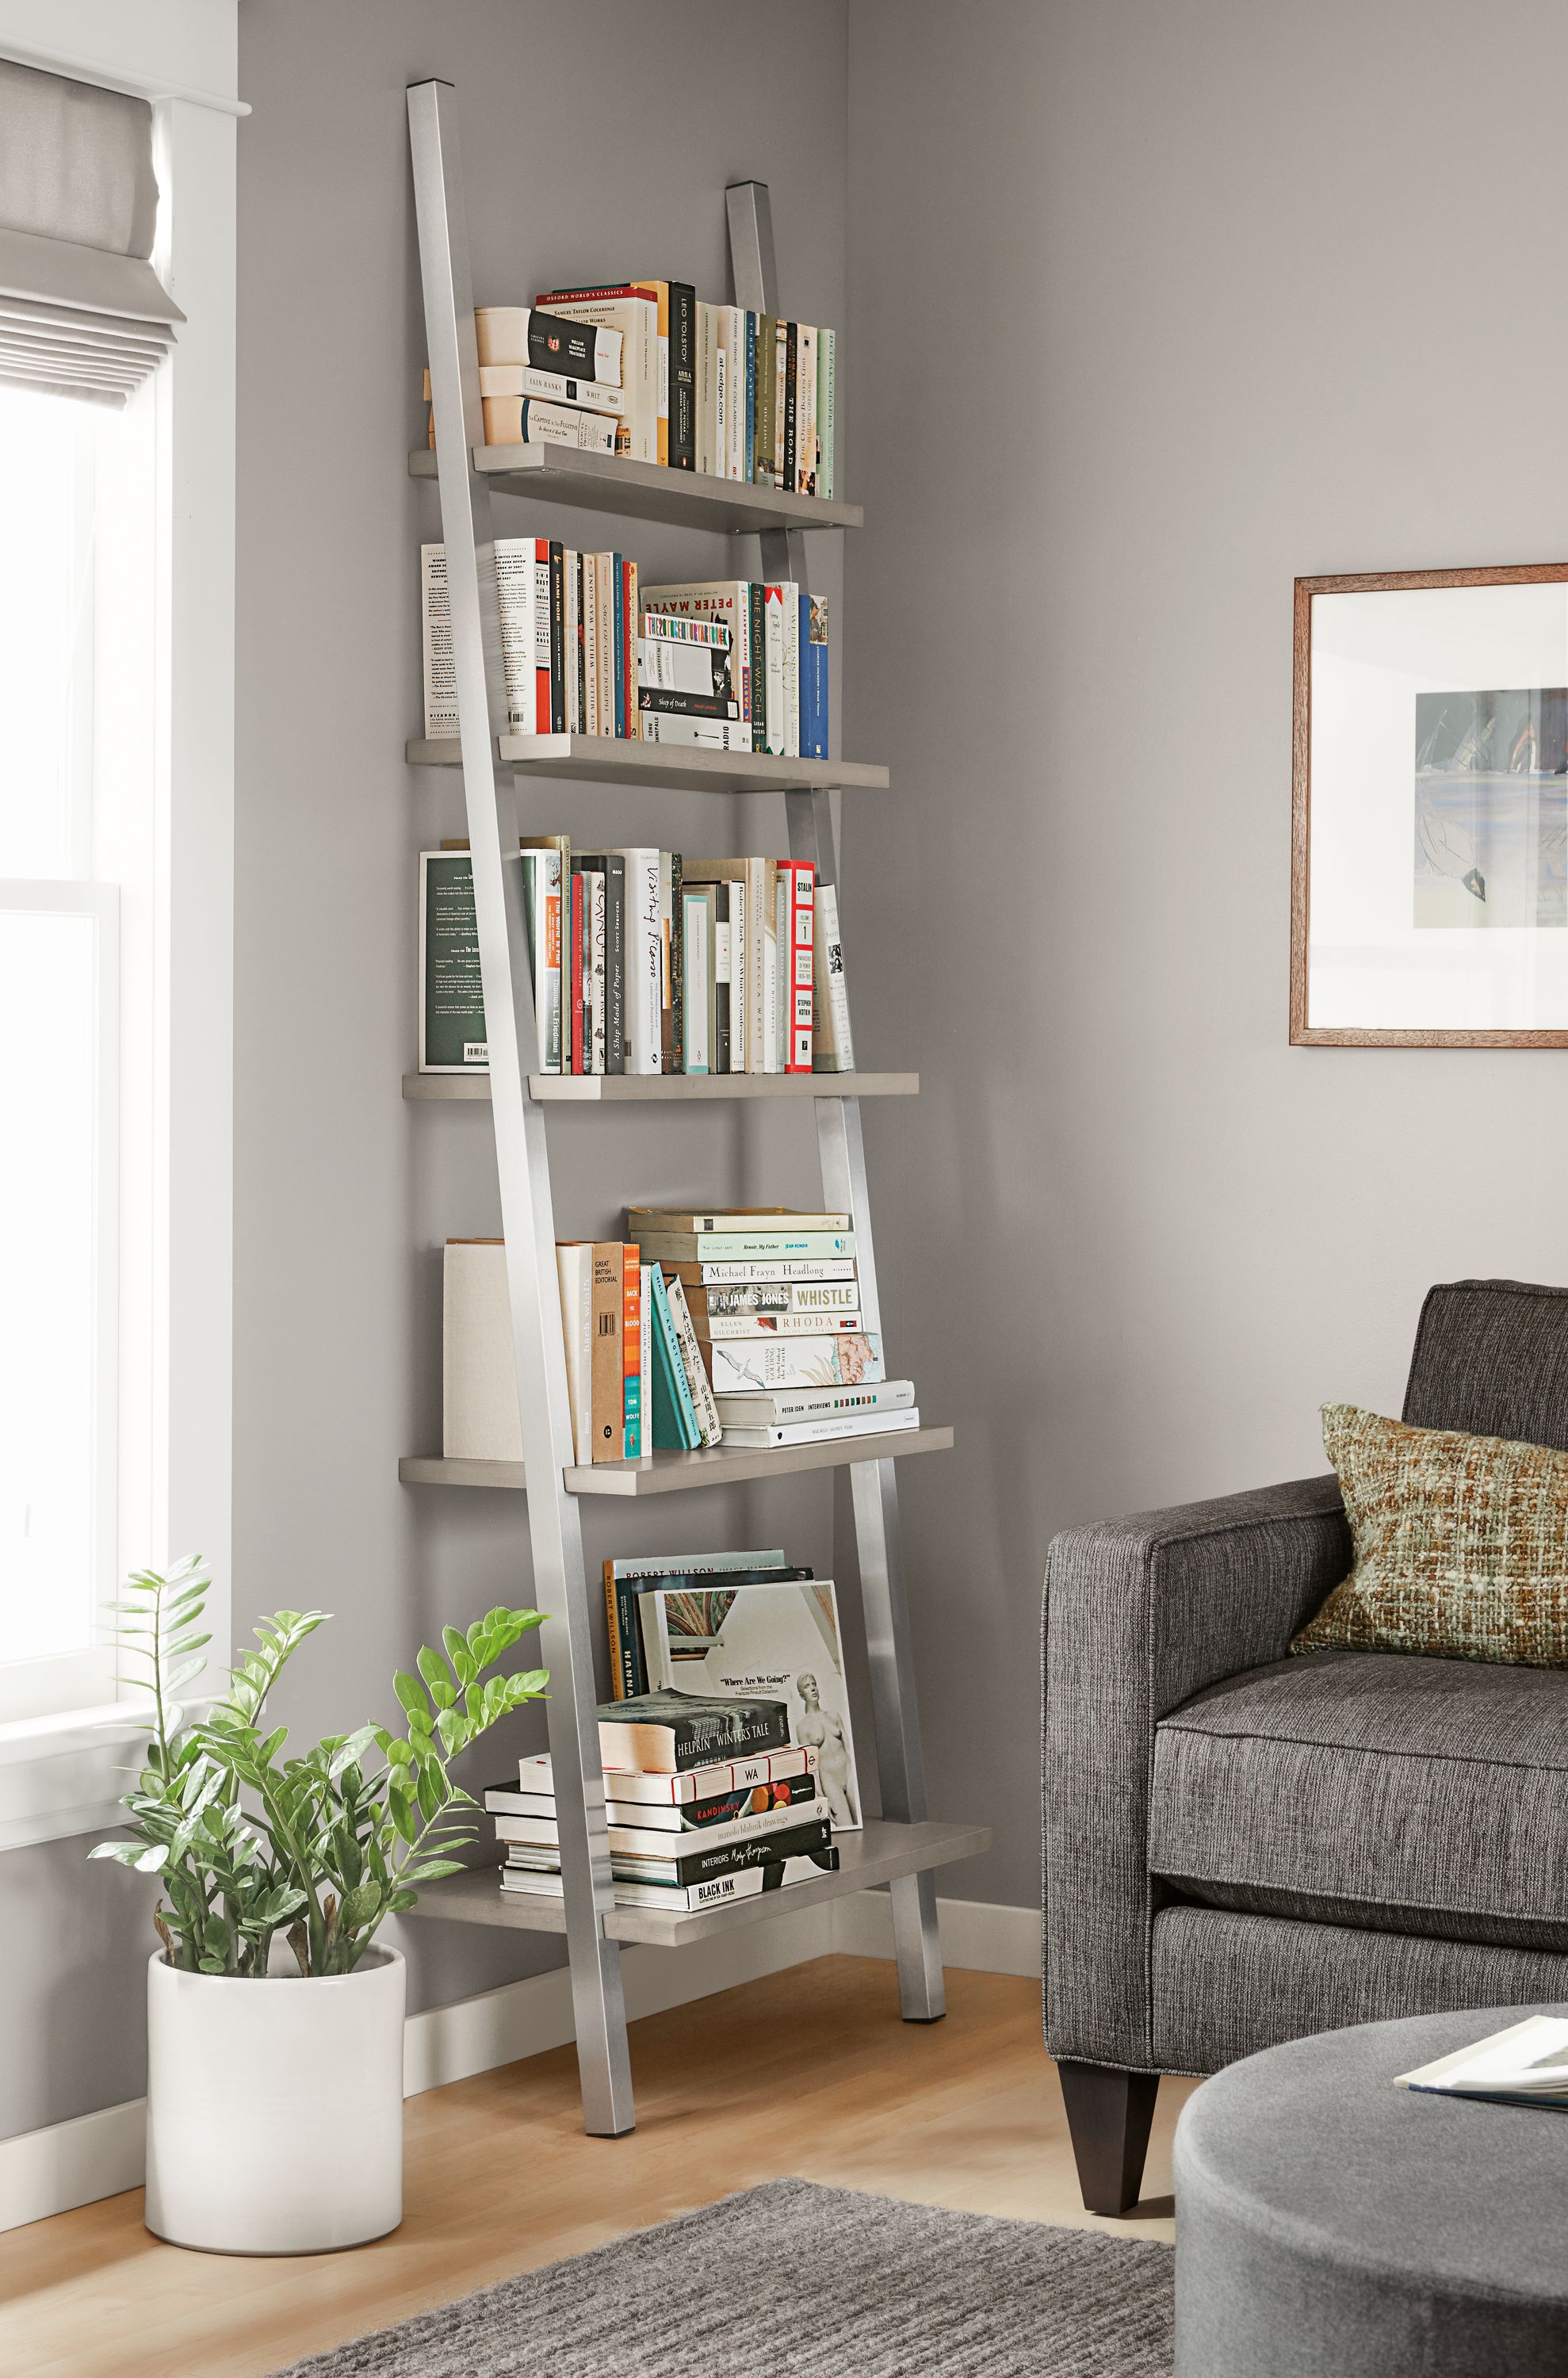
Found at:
<point>873,1484</point>
<point>527,1215</point>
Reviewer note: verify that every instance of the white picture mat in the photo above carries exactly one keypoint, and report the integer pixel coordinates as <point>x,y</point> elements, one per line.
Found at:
<point>1369,966</point>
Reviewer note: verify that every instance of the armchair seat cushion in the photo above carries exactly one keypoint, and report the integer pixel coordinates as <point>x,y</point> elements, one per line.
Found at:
<point>1404,1794</point>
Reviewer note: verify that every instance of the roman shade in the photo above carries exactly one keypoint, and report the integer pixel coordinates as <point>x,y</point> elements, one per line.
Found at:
<point>82,313</point>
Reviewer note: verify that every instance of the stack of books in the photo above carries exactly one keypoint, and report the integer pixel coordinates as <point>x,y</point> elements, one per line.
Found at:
<point>671,379</point>
<point>766,1318</point>
<point>645,962</point>
<point>706,1801</point>
<point>725,664</point>
<point>742,1328</point>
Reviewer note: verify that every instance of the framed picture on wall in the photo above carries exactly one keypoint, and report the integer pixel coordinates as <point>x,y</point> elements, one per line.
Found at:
<point>1430,846</point>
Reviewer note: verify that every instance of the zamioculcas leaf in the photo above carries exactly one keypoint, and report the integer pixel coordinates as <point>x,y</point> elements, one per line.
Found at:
<point>410,1692</point>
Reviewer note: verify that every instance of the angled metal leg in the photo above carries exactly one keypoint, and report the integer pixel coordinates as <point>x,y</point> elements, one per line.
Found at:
<point>527,1216</point>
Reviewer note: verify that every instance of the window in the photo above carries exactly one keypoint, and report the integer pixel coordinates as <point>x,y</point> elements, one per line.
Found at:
<point>76,516</point>
<point>116,675</point>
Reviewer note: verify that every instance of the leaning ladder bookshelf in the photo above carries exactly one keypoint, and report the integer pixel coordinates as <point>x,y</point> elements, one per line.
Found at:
<point>904,1848</point>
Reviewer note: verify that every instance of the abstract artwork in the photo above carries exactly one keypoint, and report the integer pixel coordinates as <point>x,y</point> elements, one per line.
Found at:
<point>1491,808</point>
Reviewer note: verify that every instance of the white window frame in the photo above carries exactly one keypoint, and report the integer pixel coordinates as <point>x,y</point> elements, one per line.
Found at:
<point>62,1774</point>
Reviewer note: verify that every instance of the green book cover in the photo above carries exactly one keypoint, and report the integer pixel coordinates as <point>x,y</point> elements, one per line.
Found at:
<point>674,1416</point>
<point>452,998</point>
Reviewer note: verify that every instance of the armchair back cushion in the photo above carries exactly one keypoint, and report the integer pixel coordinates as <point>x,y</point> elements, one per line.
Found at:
<point>1491,1358</point>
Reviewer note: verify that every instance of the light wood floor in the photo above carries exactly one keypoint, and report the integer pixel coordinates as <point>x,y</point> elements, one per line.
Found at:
<point>808,2072</point>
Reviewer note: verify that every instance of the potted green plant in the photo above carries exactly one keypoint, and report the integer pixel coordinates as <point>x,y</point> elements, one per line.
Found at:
<point>275,2094</point>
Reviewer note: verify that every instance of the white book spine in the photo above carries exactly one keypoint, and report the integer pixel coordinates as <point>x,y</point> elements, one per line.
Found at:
<point>738,962</point>
<point>718,458</point>
<point>832,1047</point>
<point>735,460</point>
<point>645,963</point>
<point>772,652</point>
<point>644,1354</point>
<point>517,576</point>
<point>805,412</point>
<point>781,974</point>
<point>824,1432</point>
<point>705,734</point>
<point>757,871</point>
<point>479,1413</point>
<point>705,388</point>
<point>569,642</point>
<point>792,671</point>
<point>787,1407</point>
<point>762,1365</point>
<point>781,1324</point>
<point>590,647</point>
<point>508,386</point>
<point>435,618</point>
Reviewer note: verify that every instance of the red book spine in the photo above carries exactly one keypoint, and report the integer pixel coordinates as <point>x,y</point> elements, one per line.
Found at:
<point>620,289</point>
<point>578,920</point>
<point>541,635</point>
<point>803,896</point>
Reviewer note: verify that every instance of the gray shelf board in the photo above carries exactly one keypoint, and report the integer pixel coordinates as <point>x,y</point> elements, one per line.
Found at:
<point>610,483</point>
<point>617,760</point>
<point>666,1473</point>
<point>618,1089</point>
<point>877,1854</point>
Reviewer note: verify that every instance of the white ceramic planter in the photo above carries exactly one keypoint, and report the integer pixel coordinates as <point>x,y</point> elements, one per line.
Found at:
<point>274,2110</point>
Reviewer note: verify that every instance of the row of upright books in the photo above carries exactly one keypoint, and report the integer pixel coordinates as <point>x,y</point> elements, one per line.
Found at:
<point>644,962</point>
<point>649,370</point>
<point>727,665</point>
<point>728,1751</point>
<point>742,1328</point>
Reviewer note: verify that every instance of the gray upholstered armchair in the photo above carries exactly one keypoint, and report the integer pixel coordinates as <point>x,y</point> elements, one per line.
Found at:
<point>1242,1847</point>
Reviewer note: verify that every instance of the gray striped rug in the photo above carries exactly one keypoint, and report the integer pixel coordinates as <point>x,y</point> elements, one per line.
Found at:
<point>793,2279</point>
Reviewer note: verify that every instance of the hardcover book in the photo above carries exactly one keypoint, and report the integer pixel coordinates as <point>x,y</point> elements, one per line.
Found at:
<point>452,997</point>
<point>746,1885</point>
<point>535,1776</point>
<point>666,1733</point>
<point>777,1638</point>
<point>739,1366</point>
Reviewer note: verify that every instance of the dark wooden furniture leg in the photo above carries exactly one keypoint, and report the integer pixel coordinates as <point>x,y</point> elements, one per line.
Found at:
<point>1108,2114</point>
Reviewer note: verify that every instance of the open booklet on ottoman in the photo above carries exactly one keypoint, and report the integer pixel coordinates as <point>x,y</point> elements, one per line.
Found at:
<point>1526,2065</point>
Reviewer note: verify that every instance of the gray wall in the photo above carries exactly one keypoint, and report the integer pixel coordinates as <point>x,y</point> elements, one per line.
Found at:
<point>1152,308</point>
<point>597,140</point>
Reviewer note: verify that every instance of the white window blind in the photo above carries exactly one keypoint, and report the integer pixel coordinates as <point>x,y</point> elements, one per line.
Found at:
<point>82,312</point>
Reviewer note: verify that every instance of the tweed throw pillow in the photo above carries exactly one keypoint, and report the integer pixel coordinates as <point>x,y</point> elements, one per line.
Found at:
<point>1461,1544</point>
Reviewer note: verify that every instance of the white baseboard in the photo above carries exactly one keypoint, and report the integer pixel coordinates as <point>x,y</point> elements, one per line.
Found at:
<point>53,2171</point>
<point>72,2162</point>
<point>977,1937</point>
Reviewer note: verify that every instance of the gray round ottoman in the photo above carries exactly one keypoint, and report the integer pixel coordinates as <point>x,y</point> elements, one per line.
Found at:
<point>1331,2226</point>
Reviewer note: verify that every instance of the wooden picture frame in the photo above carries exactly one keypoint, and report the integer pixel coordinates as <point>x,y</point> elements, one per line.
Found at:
<point>1309,1027</point>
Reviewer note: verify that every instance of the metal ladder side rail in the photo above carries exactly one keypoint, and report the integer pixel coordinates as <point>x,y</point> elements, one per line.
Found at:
<point>522,1158</point>
<point>842,1150</point>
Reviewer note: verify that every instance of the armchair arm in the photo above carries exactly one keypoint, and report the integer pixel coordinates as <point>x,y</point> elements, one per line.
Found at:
<point>1140,1614</point>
